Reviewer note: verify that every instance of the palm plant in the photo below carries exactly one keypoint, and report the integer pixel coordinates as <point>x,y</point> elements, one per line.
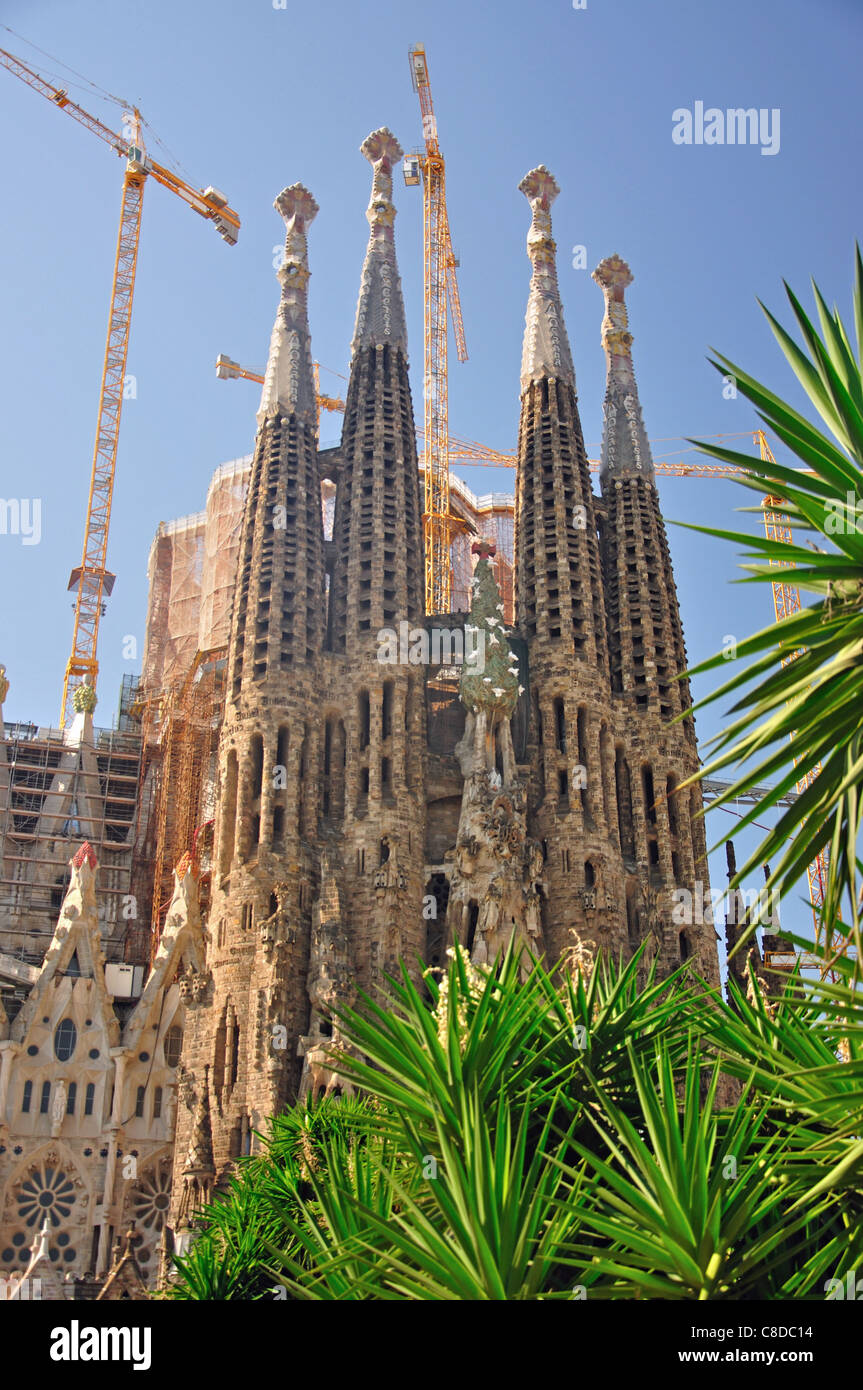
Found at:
<point>528,1140</point>
<point>804,679</point>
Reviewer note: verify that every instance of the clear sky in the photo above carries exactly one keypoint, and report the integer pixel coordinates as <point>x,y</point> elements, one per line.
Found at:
<point>250,97</point>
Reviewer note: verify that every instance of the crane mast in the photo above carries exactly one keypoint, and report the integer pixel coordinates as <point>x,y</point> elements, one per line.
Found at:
<point>91,581</point>
<point>440,286</point>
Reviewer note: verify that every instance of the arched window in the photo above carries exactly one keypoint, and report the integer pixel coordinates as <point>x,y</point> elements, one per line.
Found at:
<point>71,1097</point>
<point>89,1097</point>
<point>45,1098</point>
<point>157,1103</point>
<point>173,1045</point>
<point>139,1103</point>
<point>65,1038</point>
<point>27,1097</point>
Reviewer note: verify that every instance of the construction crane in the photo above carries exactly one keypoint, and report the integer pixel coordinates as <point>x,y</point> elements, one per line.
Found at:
<point>91,580</point>
<point>439,287</point>
<point>229,370</point>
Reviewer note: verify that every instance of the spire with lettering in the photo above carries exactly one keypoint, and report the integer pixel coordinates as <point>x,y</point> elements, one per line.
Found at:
<point>625,449</point>
<point>289,383</point>
<point>558,587</point>
<point>546,349</point>
<point>380,308</point>
<point>647,652</point>
<point>377,527</point>
<point>559,596</point>
<point>277,621</point>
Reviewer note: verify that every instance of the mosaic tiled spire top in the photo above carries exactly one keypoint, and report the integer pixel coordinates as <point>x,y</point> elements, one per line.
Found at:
<point>546,351</point>
<point>380,309</point>
<point>289,384</point>
<point>625,450</point>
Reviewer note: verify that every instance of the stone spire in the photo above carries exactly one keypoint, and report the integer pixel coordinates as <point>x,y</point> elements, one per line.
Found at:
<point>380,309</point>
<point>625,450</point>
<point>289,384</point>
<point>546,351</point>
<point>377,526</point>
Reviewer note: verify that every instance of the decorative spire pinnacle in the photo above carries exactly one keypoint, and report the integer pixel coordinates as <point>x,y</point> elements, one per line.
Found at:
<point>289,384</point>
<point>200,1155</point>
<point>625,449</point>
<point>546,347</point>
<point>380,310</point>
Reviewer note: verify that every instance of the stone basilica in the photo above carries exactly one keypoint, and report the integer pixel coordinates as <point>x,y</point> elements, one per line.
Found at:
<point>365,809</point>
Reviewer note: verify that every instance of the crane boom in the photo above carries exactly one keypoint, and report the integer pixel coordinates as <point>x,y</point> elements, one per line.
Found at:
<point>208,202</point>
<point>91,580</point>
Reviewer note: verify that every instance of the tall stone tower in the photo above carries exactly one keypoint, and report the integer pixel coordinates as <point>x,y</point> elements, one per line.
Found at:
<point>560,609</point>
<point>374,715</point>
<point>247,1013</point>
<point>318,852</point>
<point>662,843</point>
<point>550,814</point>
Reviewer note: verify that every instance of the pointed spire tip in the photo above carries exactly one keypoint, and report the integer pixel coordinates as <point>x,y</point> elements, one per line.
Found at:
<point>380,319</point>
<point>546,351</point>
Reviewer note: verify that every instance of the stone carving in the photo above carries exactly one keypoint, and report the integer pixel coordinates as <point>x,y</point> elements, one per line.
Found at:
<point>391,888</point>
<point>497,866</point>
<point>192,984</point>
<point>331,985</point>
<point>276,928</point>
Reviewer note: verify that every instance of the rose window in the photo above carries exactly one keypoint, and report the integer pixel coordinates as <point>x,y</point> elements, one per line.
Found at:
<point>46,1193</point>
<point>151,1199</point>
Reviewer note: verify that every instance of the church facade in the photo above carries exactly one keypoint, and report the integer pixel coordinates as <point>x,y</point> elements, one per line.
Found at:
<point>387,780</point>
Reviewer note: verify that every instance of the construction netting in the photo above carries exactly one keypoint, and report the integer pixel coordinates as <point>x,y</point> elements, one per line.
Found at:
<point>224,518</point>
<point>490,517</point>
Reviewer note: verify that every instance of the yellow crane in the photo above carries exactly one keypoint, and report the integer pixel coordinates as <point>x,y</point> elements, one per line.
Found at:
<point>440,286</point>
<point>229,370</point>
<point>91,580</point>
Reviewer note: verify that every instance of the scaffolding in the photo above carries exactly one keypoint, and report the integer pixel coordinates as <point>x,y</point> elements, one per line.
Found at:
<point>191,572</point>
<point>493,518</point>
<point>178,780</point>
<point>53,795</point>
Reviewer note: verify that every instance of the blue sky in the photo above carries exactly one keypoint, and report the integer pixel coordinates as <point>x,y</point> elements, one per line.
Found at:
<point>250,98</point>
